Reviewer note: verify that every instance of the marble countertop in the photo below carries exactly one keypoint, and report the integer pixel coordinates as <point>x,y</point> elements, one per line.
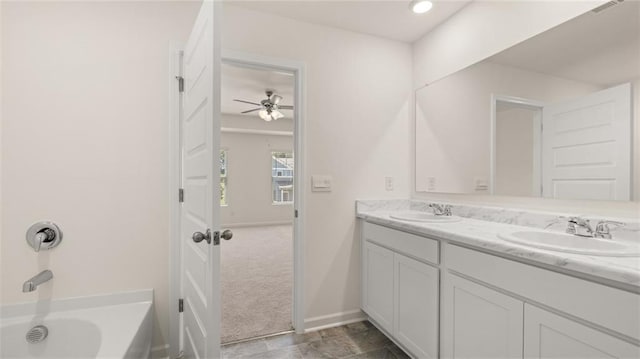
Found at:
<point>482,234</point>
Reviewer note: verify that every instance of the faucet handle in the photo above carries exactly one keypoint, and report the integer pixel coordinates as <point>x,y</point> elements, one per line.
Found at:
<point>43,235</point>
<point>447,209</point>
<point>603,230</point>
<point>578,220</point>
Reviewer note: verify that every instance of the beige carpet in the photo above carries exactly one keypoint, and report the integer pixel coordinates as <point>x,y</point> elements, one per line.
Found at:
<point>256,282</point>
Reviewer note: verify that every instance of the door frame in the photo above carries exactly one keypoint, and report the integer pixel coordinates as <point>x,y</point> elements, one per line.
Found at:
<point>175,110</point>
<point>175,183</point>
<point>537,140</point>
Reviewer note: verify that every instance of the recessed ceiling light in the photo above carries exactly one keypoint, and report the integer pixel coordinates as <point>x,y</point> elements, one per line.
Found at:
<point>420,6</point>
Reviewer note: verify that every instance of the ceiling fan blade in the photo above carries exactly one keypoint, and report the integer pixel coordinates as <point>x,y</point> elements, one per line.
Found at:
<point>255,109</point>
<point>249,102</point>
<point>285,107</point>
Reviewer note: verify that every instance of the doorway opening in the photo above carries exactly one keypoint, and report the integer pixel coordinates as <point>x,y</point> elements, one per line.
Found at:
<point>516,146</point>
<point>258,187</point>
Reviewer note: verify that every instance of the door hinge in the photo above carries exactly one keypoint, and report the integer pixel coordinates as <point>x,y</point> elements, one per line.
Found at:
<point>180,305</point>
<point>180,83</point>
<point>181,195</point>
<point>295,213</point>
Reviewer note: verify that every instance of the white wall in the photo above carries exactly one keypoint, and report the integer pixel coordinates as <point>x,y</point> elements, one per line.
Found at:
<point>484,28</point>
<point>480,30</point>
<point>357,129</point>
<point>249,195</point>
<point>85,143</point>
<point>453,125</point>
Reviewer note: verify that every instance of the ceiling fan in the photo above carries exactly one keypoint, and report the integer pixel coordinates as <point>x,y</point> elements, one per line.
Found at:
<point>269,107</point>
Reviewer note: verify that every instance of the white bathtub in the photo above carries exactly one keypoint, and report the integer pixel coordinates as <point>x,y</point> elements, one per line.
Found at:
<point>111,326</point>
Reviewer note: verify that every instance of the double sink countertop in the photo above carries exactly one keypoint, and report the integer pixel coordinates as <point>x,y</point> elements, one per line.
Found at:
<point>480,226</point>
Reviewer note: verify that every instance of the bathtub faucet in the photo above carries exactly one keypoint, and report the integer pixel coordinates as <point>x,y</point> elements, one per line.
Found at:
<point>32,284</point>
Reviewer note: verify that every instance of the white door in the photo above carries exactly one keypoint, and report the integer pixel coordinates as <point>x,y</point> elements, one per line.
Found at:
<point>416,306</point>
<point>586,146</point>
<point>378,284</point>
<point>200,262</point>
<point>547,335</point>
<point>478,322</point>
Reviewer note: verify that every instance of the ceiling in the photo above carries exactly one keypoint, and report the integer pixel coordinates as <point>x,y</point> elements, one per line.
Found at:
<point>389,19</point>
<point>249,84</point>
<point>598,48</point>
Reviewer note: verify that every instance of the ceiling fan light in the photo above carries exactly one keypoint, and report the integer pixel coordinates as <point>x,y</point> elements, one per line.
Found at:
<point>276,114</point>
<point>420,6</point>
<point>264,114</point>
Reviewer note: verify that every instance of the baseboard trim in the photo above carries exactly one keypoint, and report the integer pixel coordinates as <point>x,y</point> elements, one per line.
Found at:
<point>256,224</point>
<point>333,320</point>
<point>160,352</point>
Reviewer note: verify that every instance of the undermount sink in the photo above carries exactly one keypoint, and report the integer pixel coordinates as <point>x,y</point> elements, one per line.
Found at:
<point>415,216</point>
<point>573,244</point>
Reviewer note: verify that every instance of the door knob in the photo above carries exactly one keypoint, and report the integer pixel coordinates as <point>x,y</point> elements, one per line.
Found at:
<point>227,234</point>
<point>199,236</point>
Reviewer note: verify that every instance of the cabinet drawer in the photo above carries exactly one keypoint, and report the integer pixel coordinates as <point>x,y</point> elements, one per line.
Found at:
<point>611,308</point>
<point>410,244</point>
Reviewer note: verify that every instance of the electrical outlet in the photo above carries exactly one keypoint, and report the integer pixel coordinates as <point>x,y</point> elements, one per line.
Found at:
<point>431,183</point>
<point>481,183</point>
<point>388,183</point>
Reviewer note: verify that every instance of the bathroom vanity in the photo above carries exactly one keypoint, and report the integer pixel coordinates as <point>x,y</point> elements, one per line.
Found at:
<point>456,290</point>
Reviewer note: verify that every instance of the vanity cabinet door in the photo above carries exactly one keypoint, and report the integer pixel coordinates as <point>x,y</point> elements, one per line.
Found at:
<point>378,284</point>
<point>416,306</point>
<point>548,335</point>
<point>479,322</point>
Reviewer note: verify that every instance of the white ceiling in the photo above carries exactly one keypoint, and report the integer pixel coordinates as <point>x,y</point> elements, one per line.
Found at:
<point>598,48</point>
<point>389,19</point>
<point>250,84</point>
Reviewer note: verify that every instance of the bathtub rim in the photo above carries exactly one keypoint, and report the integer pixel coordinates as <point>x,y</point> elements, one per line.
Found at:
<point>8,311</point>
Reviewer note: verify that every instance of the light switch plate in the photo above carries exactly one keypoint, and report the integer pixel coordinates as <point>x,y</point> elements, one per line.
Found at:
<point>431,183</point>
<point>321,183</point>
<point>388,183</point>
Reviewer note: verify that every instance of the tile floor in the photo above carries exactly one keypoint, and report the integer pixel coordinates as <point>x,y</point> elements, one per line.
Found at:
<point>354,341</point>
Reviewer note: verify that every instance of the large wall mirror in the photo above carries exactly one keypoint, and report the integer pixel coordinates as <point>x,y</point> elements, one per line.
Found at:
<point>550,117</point>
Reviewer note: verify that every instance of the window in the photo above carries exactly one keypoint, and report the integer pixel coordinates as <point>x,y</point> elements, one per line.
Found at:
<point>223,178</point>
<point>282,177</point>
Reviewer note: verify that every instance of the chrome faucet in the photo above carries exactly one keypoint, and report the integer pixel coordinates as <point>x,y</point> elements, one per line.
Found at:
<point>580,227</point>
<point>32,284</point>
<point>440,209</point>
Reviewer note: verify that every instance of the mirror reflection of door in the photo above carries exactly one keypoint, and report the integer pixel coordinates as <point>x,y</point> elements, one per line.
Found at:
<point>586,146</point>
<point>473,136</point>
<point>573,149</point>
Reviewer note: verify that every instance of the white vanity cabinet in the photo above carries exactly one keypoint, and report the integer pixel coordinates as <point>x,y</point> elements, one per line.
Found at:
<point>416,306</point>
<point>439,299</point>
<point>508,322</point>
<point>378,279</point>
<point>401,293</point>
<point>548,335</point>
<point>478,322</point>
